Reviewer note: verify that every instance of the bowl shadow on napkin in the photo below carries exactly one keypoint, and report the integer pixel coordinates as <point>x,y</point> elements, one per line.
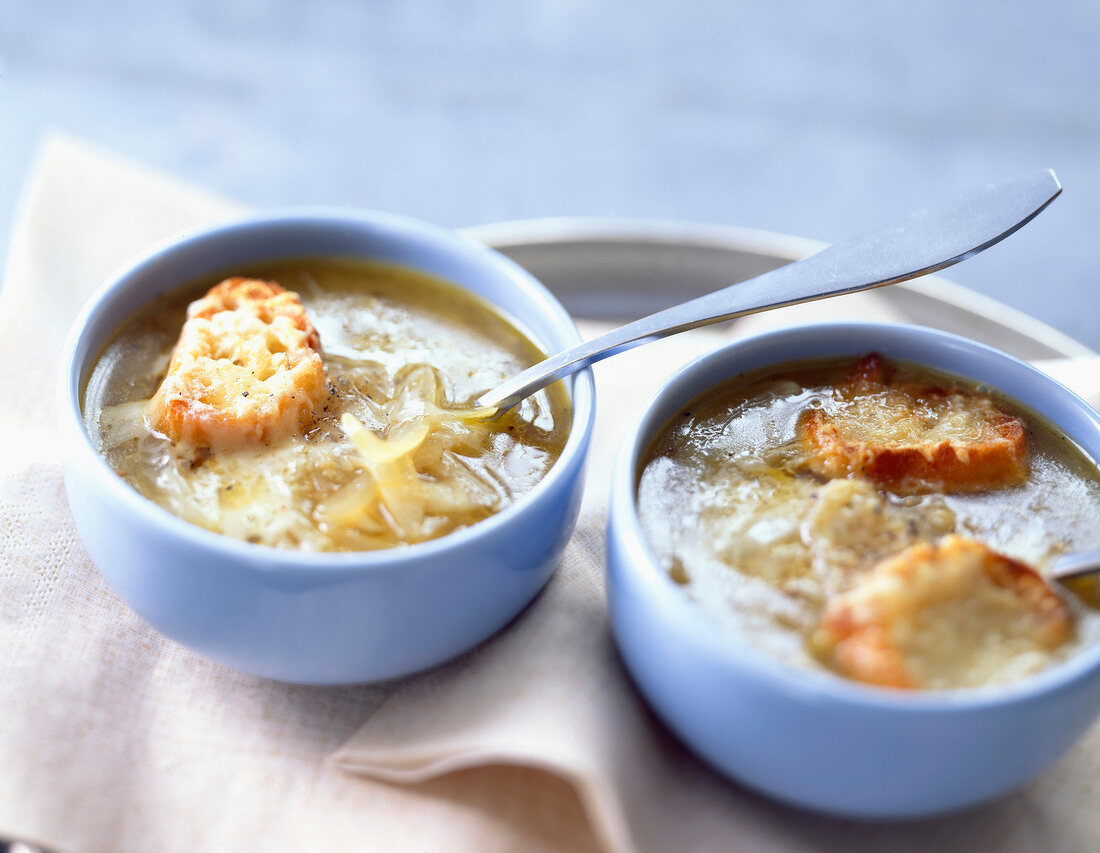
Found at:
<point>766,825</point>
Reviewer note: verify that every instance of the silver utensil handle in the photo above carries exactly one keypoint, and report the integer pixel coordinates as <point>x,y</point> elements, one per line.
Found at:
<point>924,242</point>
<point>1076,565</point>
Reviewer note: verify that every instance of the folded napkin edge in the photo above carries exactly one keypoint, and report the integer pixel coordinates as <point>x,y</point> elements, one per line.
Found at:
<point>599,800</point>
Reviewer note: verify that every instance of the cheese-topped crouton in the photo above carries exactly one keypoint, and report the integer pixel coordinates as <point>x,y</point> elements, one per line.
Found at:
<point>911,438</point>
<point>246,368</point>
<point>953,615</point>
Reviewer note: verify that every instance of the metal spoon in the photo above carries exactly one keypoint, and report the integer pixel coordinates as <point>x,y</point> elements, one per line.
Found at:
<point>1070,566</point>
<point>926,241</point>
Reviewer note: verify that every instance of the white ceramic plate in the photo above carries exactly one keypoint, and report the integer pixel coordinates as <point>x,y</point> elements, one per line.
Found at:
<point>616,270</point>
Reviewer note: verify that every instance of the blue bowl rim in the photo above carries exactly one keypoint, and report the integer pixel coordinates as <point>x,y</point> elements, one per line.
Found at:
<point>78,352</point>
<point>803,683</point>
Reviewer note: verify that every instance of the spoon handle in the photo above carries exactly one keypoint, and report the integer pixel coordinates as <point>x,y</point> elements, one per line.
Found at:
<point>1076,565</point>
<point>924,242</point>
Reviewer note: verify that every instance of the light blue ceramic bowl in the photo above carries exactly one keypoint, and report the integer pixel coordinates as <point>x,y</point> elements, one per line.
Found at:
<point>804,736</point>
<point>321,618</point>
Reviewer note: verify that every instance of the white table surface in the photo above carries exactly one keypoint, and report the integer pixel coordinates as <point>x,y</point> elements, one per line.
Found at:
<point>812,119</point>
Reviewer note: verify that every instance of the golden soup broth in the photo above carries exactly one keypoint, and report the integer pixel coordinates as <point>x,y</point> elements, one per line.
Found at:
<point>400,349</point>
<point>731,513</point>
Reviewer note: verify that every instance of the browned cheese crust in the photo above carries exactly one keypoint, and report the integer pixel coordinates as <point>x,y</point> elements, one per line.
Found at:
<point>934,609</point>
<point>916,456</point>
<point>246,368</point>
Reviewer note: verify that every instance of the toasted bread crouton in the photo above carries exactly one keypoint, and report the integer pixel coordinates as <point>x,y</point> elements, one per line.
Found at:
<point>913,438</point>
<point>246,368</point>
<point>266,299</point>
<point>953,615</point>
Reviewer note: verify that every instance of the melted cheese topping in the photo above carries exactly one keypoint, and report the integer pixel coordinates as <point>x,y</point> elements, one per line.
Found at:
<point>897,417</point>
<point>955,614</point>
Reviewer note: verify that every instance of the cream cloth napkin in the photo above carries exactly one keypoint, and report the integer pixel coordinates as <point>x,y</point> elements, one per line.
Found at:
<point>114,738</point>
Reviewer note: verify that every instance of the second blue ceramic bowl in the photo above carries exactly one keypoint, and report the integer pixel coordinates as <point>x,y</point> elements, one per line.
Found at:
<point>808,737</point>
